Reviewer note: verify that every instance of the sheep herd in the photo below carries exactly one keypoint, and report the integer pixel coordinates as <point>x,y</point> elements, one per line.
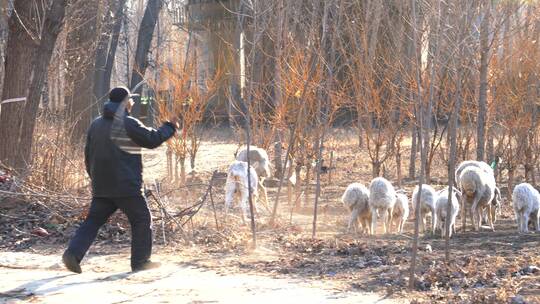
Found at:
<point>476,195</point>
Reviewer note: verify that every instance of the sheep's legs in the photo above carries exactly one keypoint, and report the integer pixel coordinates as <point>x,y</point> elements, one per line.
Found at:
<point>385,221</point>
<point>464,214</point>
<point>442,224</point>
<point>400,225</point>
<point>229,197</point>
<point>390,214</point>
<point>476,215</point>
<point>536,220</point>
<point>518,220</point>
<point>525,223</point>
<point>366,226</point>
<point>491,219</point>
<point>264,195</point>
<point>373,221</point>
<point>244,203</point>
<point>353,220</point>
<point>433,221</point>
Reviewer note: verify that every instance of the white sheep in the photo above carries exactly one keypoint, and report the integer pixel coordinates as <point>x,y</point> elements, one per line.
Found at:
<point>356,199</point>
<point>237,186</point>
<point>427,205</point>
<point>489,170</point>
<point>441,207</point>
<point>478,191</point>
<point>400,211</point>
<point>259,160</point>
<point>526,201</point>
<point>472,163</point>
<point>382,198</point>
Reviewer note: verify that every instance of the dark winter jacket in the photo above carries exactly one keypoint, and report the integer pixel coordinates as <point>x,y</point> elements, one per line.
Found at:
<point>113,151</point>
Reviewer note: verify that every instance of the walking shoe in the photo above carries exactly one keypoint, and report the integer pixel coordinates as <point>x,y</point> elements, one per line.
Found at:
<point>71,263</point>
<point>145,266</point>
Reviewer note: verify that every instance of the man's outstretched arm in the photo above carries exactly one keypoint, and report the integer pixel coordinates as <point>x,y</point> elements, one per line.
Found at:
<point>146,137</point>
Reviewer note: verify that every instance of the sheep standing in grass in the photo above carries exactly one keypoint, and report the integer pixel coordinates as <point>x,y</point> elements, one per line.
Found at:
<point>526,201</point>
<point>382,198</point>
<point>428,199</point>
<point>260,162</point>
<point>400,211</point>
<point>236,186</point>
<point>441,207</point>
<point>356,199</point>
<point>478,191</point>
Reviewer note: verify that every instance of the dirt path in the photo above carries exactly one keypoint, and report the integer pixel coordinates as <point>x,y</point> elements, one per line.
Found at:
<point>31,277</point>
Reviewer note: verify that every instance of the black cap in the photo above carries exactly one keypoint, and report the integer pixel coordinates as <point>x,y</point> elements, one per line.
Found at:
<point>118,94</point>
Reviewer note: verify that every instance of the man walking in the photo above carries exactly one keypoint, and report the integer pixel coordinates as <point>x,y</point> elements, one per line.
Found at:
<point>113,162</point>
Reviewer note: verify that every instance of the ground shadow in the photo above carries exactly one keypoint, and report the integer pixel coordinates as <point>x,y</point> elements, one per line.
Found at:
<point>33,288</point>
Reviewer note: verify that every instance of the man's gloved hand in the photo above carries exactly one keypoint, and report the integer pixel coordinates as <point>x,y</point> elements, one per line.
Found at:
<point>174,120</point>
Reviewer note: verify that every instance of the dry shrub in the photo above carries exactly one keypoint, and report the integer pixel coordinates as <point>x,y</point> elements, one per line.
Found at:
<point>58,164</point>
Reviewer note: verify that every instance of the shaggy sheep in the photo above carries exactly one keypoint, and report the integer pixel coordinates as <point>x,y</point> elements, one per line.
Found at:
<point>427,205</point>
<point>260,162</point>
<point>441,208</point>
<point>400,212</point>
<point>478,191</point>
<point>472,163</point>
<point>382,198</point>
<point>526,201</point>
<point>356,199</point>
<point>237,186</point>
<point>487,169</point>
<point>258,159</point>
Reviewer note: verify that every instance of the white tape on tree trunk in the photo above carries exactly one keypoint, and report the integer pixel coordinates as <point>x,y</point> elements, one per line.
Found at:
<point>13,100</point>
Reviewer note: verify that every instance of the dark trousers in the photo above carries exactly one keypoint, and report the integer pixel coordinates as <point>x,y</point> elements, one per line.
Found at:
<point>101,209</point>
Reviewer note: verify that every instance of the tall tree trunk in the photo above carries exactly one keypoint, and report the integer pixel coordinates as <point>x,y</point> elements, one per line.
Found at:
<point>3,36</point>
<point>144,40</point>
<point>414,149</point>
<point>20,51</point>
<point>278,84</point>
<point>423,147</point>
<point>106,49</point>
<point>81,46</point>
<point>398,165</point>
<point>115,37</point>
<point>482,90</point>
<point>52,26</point>
<point>452,163</point>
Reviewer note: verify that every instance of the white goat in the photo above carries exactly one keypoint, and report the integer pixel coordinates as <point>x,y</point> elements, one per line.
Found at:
<point>382,198</point>
<point>472,163</point>
<point>400,211</point>
<point>356,199</point>
<point>526,201</point>
<point>478,190</point>
<point>259,160</point>
<point>487,169</point>
<point>441,207</point>
<point>237,186</point>
<point>428,199</point>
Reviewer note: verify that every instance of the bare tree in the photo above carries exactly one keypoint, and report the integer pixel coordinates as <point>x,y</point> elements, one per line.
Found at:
<point>52,25</point>
<point>24,31</point>
<point>483,87</point>
<point>144,40</point>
